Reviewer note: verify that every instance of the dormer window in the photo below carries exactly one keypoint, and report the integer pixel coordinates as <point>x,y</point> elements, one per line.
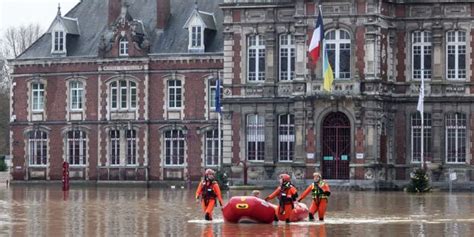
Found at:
<point>196,37</point>
<point>59,43</point>
<point>201,27</point>
<point>123,47</point>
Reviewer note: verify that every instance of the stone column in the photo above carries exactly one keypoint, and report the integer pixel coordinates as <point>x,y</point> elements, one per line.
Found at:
<point>271,146</point>
<point>437,50</point>
<point>300,141</point>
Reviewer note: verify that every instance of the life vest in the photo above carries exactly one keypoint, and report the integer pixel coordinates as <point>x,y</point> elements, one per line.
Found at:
<point>317,192</point>
<point>284,197</point>
<point>207,190</point>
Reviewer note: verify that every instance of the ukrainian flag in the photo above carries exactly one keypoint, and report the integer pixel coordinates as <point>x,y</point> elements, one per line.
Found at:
<point>327,73</point>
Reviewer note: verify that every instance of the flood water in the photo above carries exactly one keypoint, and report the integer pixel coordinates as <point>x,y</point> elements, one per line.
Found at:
<point>100,211</point>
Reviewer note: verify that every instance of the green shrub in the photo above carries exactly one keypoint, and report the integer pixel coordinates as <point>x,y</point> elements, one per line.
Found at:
<point>222,180</point>
<point>420,182</point>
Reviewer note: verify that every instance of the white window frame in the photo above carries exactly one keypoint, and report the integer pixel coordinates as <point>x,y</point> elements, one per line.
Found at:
<point>59,41</point>
<point>288,53</point>
<point>114,137</point>
<point>196,37</point>
<point>212,93</point>
<point>131,137</point>
<point>456,45</point>
<point>76,139</point>
<point>37,96</point>
<point>212,148</point>
<point>338,40</point>
<point>415,134</point>
<point>175,94</point>
<point>255,131</point>
<point>37,148</point>
<point>174,148</point>
<point>456,124</point>
<point>256,50</point>
<point>123,95</point>
<point>123,47</point>
<point>76,89</point>
<point>422,45</point>
<point>286,138</point>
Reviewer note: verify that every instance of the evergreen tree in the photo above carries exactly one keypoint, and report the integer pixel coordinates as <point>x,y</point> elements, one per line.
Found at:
<point>420,182</point>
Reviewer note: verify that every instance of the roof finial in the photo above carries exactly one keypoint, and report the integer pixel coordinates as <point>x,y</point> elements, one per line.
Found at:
<point>59,9</point>
<point>196,5</point>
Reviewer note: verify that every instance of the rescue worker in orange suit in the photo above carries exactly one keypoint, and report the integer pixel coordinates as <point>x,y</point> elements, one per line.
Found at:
<point>287,194</point>
<point>209,190</point>
<point>320,192</point>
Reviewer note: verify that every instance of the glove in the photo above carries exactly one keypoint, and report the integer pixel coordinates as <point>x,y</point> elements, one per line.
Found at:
<point>197,199</point>
<point>267,198</point>
<point>220,203</point>
<point>327,193</point>
<point>299,200</point>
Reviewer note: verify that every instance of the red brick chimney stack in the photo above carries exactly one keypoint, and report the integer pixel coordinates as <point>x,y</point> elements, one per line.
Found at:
<point>163,9</point>
<point>115,7</point>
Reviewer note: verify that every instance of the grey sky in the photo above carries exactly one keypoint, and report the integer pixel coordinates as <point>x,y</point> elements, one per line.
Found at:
<point>23,12</point>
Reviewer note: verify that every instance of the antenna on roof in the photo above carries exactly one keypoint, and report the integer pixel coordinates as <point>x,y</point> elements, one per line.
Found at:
<point>59,9</point>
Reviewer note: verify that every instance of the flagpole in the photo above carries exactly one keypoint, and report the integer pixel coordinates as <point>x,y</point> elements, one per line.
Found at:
<point>422,124</point>
<point>219,132</point>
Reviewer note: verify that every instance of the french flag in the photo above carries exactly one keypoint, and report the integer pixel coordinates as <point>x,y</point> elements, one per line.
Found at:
<point>317,39</point>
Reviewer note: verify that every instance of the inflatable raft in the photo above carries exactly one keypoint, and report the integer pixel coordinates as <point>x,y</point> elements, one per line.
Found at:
<point>254,209</point>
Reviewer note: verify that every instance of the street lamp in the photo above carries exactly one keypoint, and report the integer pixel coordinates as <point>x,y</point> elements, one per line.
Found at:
<point>245,167</point>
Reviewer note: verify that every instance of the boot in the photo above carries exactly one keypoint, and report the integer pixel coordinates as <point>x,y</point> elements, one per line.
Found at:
<point>275,218</point>
<point>321,218</point>
<point>311,217</point>
<point>207,217</point>
<point>287,221</point>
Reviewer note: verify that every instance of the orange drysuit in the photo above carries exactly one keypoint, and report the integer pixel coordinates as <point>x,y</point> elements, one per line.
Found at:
<point>320,193</point>
<point>209,191</point>
<point>286,195</point>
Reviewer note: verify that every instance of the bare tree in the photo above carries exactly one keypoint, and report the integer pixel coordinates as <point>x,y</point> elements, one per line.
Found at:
<point>13,42</point>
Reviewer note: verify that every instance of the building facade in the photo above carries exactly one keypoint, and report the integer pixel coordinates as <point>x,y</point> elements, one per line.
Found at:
<point>126,92</point>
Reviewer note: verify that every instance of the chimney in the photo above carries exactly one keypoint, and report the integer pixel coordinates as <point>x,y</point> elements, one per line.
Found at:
<point>163,9</point>
<point>115,7</point>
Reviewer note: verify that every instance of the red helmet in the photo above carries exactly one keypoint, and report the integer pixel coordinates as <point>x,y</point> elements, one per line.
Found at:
<point>209,172</point>
<point>285,177</point>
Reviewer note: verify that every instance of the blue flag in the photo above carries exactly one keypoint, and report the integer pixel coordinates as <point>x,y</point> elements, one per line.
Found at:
<point>218,95</point>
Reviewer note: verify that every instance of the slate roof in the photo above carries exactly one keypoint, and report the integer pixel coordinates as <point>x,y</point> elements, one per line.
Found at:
<point>71,25</point>
<point>92,17</point>
<point>208,19</point>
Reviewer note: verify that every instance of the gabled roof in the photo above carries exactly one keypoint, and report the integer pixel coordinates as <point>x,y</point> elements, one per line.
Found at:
<point>206,17</point>
<point>71,25</point>
<point>92,24</point>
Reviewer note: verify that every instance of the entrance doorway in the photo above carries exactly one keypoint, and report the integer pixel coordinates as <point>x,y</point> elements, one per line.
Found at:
<point>336,146</point>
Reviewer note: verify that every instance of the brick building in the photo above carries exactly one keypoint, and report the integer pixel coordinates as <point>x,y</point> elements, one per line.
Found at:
<point>125,91</point>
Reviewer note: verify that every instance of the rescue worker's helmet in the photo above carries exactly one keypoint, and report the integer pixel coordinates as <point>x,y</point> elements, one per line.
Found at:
<point>285,178</point>
<point>209,172</point>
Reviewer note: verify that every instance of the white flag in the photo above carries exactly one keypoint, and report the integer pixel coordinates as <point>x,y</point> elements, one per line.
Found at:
<point>421,97</point>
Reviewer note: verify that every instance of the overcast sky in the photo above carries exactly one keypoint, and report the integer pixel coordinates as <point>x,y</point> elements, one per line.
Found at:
<point>21,12</point>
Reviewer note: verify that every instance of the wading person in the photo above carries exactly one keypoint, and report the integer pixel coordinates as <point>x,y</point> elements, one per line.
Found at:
<point>287,194</point>
<point>209,190</point>
<point>320,192</point>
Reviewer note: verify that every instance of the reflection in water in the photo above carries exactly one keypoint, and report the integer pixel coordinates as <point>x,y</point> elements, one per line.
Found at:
<point>48,211</point>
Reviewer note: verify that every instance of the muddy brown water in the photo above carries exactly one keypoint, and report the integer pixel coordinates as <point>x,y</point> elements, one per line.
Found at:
<point>91,211</point>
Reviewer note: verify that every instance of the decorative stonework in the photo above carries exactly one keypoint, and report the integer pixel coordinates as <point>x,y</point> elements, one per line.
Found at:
<point>420,11</point>
<point>255,15</point>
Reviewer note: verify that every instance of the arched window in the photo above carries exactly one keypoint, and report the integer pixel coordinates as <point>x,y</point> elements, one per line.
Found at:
<point>287,57</point>
<point>123,51</point>
<point>76,89</point>
<point>338,47</point>
<point>114,147</point>
<point>421,55</point>
<point>123,95</point>
<point>212,147</point>
<point>76,147</point>
<point>256,58</point>
<point>456,138</point>
<point>37,148</point>
<point>286,137</point>
<point>174,147</point>
<point>456,55</point>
